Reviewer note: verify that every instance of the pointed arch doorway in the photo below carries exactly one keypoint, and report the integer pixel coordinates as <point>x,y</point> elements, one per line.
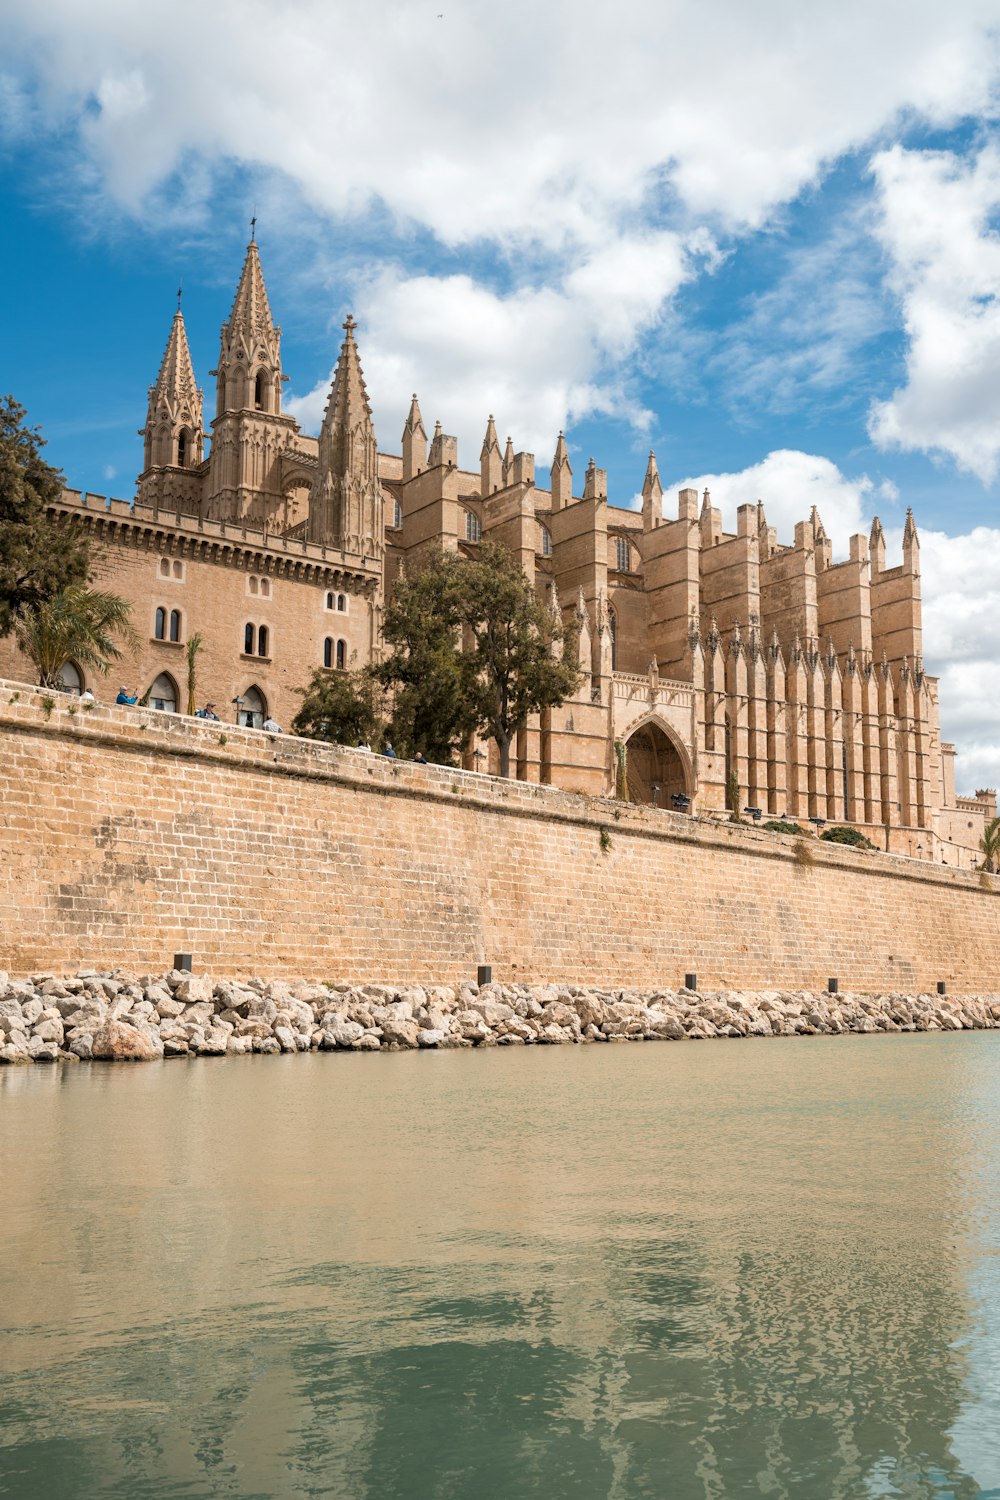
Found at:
<point>656,770</point>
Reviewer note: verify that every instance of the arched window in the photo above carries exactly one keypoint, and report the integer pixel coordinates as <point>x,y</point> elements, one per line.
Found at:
<point>341,656</point>
<point>178,570</point>
<point>328,652</point>
<point>249,637</point>
<point>252,708</point>
<point>331,601</point>
<point>163,694</point>
<point>262,634</point>
<point>160,627</point>
<point>70,677</point>
<point>253,585</point>
<point>164,567</point>
<point>473,530</point>
<point>265,588</point>
<point>613,622</point>
<point>261,391</point>
<point>545,540</point>
<point>183,448</point>
<point>623,555</point>
<point>397,514</point>
<point>175,624</point>
<point>342,603</point>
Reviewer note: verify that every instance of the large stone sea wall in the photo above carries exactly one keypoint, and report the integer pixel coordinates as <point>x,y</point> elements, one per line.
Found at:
<point>128,835</point>
<point>118,1017</point>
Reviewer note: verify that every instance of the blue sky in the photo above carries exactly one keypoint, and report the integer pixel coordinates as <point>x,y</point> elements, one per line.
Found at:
<point>762,240</point>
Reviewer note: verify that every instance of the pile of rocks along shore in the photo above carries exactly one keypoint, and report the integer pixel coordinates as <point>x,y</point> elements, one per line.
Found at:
<point>120,1017</point>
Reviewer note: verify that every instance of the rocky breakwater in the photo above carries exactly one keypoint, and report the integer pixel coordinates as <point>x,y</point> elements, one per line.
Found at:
<point>118,1017</point>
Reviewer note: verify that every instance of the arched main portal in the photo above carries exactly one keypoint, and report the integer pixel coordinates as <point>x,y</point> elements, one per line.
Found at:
<point>656,772</point>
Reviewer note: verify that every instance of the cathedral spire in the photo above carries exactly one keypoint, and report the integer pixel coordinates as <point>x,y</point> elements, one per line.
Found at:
<point>652,495</point>
<point>414,442</point>
<point>345,503</point>
<point>174,434</point>
<point>249,372</point>
<point>561,476</point>
<point>490,462</point>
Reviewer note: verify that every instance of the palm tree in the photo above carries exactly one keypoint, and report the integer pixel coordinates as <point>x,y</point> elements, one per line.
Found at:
<point>989,845</point>
<point>194,645</point>
<point>79,624</point>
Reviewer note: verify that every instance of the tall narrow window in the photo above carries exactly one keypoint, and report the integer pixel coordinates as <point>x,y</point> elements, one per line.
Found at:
<point>160,628</point>
<point>843,765</point>
<point>253,585</point>
<point>265,588</point>
<point>175,624</point>
<point>262,641</point>
<point>545,536</point>
<point>178,570</point>
<point>397,515</point>
<point>331,600</point>
<point>342,603</point>
<point>473,530</point>
<point>341,655</point>
<point>164,567</point>
<point>613,621</point>
<point>260,391</point>
<point>624,555</point>
<point>328,652</point>
<point>182,448</point>
<point>248,640</point>
<point>163,694</point>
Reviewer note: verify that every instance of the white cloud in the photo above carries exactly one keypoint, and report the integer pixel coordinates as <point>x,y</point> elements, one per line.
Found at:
<point>536,357</point>
<point>937,225</point>
<point>531,123</point>
<point>790,483</point>
<point>960,581</point>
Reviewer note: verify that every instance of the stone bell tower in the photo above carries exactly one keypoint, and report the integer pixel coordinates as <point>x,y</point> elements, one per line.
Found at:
<point>346,500</point>
<point>248,433</point>
<point>174,436</point>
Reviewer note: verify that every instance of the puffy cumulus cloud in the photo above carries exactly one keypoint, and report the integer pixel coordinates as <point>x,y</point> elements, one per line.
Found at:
<point>537,357</point>
<point>960,582</point>
<point>790,483</point>
<point>549,124</point>
<point>937,222</point>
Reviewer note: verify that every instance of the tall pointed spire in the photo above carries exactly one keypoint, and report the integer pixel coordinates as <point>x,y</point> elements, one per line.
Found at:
<point>490,462</point>
<point>174,434</point>
<point>414,442</point>
<point>346,500</point>
<point>876,547</point>
<point>508,462</point>
<point>652,495</point>
<point>561,475</point>
<point>249,370</point>
<point>911,544</point>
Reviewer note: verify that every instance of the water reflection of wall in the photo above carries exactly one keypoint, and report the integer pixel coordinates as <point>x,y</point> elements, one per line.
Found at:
<point>623,1271</point>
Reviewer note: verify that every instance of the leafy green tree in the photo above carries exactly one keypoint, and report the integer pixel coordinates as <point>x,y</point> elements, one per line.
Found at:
<point>435,692</point>
<point>194,645</point>
<point>989,845</point>
<point>516,654</point>
<point>38,559</point>
<point>345,708</point>
<point>79,624</point>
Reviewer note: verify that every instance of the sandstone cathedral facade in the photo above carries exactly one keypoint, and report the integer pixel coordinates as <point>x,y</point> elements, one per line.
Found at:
<point>717,660</point>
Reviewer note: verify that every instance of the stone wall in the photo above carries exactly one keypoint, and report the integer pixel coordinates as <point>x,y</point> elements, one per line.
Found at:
<point>127,835</point>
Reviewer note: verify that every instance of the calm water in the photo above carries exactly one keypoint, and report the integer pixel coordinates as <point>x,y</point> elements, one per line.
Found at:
<point>697,1271</point>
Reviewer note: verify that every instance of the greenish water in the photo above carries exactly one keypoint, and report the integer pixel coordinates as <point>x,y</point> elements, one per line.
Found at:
<point>763,1268</point>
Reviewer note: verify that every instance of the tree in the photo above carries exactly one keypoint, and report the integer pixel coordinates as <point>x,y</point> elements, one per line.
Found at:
<point>843,835</point>
<point>989,845</point>
<point>436,696</point>
<point>38,559</point>
<point>345,708</point>
<point>194,645</point>
<point>78,624</point>
<point>517,651</point>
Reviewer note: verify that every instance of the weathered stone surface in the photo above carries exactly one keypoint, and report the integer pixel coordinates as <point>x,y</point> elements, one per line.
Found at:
<point>194,988</point>
<point>118,1042</point>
